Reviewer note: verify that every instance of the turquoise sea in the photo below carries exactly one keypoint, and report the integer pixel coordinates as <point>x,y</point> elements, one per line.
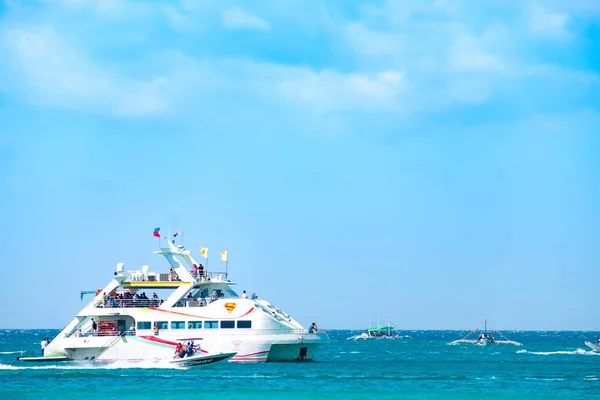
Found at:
<point>420,365</point>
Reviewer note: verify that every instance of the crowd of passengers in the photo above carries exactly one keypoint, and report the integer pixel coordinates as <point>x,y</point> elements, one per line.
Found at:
<point>127,299</point>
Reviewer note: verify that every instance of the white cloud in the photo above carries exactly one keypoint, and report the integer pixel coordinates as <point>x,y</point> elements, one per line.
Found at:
<point>332,91</point>
<point>467,54</point>
<point>368,42</point>
<point>236,18</point>
<point>417,60</point>
<point>54,73</point>
<point>468,90</point>
<point>548,24</point>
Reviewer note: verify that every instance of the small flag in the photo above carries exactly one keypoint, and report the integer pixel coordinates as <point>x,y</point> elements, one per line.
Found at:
<point>175,234</point>
<point>224,255</point>
<point>157,232</point>
<point>204,252</point>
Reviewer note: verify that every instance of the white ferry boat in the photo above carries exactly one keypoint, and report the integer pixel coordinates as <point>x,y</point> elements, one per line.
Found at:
<point>123,323</point>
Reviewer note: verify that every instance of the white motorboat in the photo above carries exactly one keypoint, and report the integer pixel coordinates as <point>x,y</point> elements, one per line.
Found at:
<point>123,323</point>
<point>201,359</point>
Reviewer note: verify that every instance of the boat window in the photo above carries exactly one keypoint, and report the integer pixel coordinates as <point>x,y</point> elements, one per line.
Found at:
<point>244,324</point>
<point>227,324</point>
<point>162,324</point>
<point>177,324</point>
<point>144,325</point>
<point>195,325</point>
<point>211,324</point>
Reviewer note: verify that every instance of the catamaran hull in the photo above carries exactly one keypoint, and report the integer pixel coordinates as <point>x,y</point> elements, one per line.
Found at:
<point>249,348</point>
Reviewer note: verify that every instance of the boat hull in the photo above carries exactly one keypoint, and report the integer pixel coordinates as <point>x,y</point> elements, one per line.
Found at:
<point>592,346</point>
<point>249,347</point>
<point>44,359</point>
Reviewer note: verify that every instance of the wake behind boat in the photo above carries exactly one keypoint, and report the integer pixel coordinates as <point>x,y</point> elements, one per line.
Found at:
<point>485,337</point>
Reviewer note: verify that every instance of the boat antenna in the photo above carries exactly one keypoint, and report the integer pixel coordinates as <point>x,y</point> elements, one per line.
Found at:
<point>485,325</point>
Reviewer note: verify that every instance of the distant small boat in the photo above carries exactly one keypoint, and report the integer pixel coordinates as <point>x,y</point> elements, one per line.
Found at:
<point>201,359</point>
<point>485,337</point>
<point>592,346</point>
<point>378,331</point>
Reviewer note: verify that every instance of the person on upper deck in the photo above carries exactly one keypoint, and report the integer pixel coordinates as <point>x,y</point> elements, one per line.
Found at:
<point>244,295</point>
<point>254,296</point>
<point>313,328</point>
<point>172,274</point>
<point>201,271</point>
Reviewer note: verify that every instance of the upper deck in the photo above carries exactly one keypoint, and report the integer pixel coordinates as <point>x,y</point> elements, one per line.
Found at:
<point>185,284</point>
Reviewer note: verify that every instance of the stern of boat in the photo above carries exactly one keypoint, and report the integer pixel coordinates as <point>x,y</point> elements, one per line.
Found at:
<point>302,349</point>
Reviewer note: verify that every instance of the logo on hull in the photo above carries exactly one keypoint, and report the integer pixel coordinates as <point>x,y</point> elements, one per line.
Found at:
<point>230,306</point>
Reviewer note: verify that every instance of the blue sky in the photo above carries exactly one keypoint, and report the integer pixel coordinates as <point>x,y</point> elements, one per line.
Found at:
<point>432,162</point>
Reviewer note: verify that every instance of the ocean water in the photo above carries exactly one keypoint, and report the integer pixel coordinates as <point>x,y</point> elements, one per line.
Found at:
<point>420,365</point>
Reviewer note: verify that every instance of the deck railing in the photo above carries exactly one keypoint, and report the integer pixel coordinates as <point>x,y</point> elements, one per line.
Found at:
<point>141,303</point>
<point>141,276</point>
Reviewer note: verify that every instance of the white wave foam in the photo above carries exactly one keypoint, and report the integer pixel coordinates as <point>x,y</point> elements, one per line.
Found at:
<point>545,379</point>
<point>563,352</point>
<point>9,352</point>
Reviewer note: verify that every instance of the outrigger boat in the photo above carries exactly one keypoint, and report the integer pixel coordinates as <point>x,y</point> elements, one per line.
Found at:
<point>485,337</point>
<point>122,323</point>
<point>378,331</point>
<point>592,346</point>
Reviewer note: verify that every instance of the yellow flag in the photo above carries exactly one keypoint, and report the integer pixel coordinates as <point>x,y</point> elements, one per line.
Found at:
<point>224,255</point>
<point>204,252</point>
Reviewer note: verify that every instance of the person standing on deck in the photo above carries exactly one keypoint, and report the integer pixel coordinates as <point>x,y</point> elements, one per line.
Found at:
<point>44,344</point>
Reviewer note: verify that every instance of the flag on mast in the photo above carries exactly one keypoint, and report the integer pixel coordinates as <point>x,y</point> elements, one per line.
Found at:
<point>176,233</point>
<point>204,252</point>
<point>157,232</point>
<point>224,255</point>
